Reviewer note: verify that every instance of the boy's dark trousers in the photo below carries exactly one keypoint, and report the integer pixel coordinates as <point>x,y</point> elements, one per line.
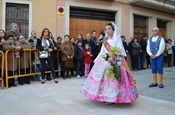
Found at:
<point>79,68</point>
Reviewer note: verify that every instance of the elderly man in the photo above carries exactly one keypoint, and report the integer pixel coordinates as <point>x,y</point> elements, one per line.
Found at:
<point>14,31</point>
<point>33,37</point>
<point>155,48</point>
<point>91,43</point>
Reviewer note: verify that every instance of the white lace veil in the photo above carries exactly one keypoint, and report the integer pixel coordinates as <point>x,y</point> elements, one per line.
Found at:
<point>117,39</point>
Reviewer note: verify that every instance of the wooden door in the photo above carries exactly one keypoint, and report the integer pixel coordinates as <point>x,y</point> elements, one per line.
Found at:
<point>85,26</point>
<point>140,26</point>
<point>162,32</point>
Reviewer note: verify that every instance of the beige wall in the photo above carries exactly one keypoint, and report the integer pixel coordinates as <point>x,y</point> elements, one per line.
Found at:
<point>152,19</point>
<point>60,22</point>
<point>63,22</point>
<point>43,13</point>
<point>124,16</point>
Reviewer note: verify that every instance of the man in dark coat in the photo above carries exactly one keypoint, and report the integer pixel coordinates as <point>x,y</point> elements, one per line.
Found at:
<point>143,43</point>
<point>124,44</point>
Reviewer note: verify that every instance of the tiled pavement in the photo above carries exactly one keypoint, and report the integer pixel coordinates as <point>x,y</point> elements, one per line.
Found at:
<point>65,98</point>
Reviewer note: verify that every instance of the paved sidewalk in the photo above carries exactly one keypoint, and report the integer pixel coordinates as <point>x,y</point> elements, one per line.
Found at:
<point>144,78</point>
<point>65,98</point>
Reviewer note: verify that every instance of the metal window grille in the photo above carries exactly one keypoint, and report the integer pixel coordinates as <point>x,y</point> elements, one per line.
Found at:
<point>18,13</point>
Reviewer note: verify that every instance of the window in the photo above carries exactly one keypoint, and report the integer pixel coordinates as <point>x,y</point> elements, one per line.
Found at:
<point>140,26</point>
<point>18,13</point>
<point>92,14</point>
<point>161,23</point>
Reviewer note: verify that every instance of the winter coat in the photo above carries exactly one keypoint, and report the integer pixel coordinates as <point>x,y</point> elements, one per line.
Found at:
<point>66,49</point>
<point>87,57</point>
<point>79,54</point>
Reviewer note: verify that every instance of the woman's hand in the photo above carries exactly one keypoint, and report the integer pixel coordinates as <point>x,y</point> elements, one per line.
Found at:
<point>18,47</point>
<point>68,57</point>
<point>55,48</point>
<point>50,50</point>
<point>45,49</point>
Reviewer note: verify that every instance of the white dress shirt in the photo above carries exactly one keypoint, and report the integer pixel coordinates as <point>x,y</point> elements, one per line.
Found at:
<point>161,46</point>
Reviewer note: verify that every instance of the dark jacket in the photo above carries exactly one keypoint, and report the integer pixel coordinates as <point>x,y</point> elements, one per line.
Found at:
<point>174,49</point>
<point>56,52</point>
<point>143,44</point>
<point>125,45</point>
<point>78,54</point>
<point>59,51</point>
<point>1,46</point>
<point>91,44</point>
<point>135,48</point>
<point>41,48</point>
<point>130,47</point>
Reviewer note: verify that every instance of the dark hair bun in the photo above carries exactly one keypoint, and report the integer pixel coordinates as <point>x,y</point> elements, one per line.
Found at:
<point>110,24</point>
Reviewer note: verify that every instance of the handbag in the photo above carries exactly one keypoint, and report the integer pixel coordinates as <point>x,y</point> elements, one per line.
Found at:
<point>43,54</point>
<point>69,63</point>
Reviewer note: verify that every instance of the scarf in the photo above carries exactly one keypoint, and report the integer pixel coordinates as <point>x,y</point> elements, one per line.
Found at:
<point>45,45</point>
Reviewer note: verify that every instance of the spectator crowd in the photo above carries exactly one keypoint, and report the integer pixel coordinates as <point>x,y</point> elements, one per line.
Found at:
<point>72,56</point>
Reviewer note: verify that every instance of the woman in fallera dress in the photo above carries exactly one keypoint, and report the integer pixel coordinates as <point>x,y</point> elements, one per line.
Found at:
<point>100,87</point>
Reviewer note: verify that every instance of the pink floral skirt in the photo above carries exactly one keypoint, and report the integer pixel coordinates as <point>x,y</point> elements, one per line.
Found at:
<point>102,88</point>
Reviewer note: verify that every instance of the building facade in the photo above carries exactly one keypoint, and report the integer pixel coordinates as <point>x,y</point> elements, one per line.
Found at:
<point>133,17</point>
